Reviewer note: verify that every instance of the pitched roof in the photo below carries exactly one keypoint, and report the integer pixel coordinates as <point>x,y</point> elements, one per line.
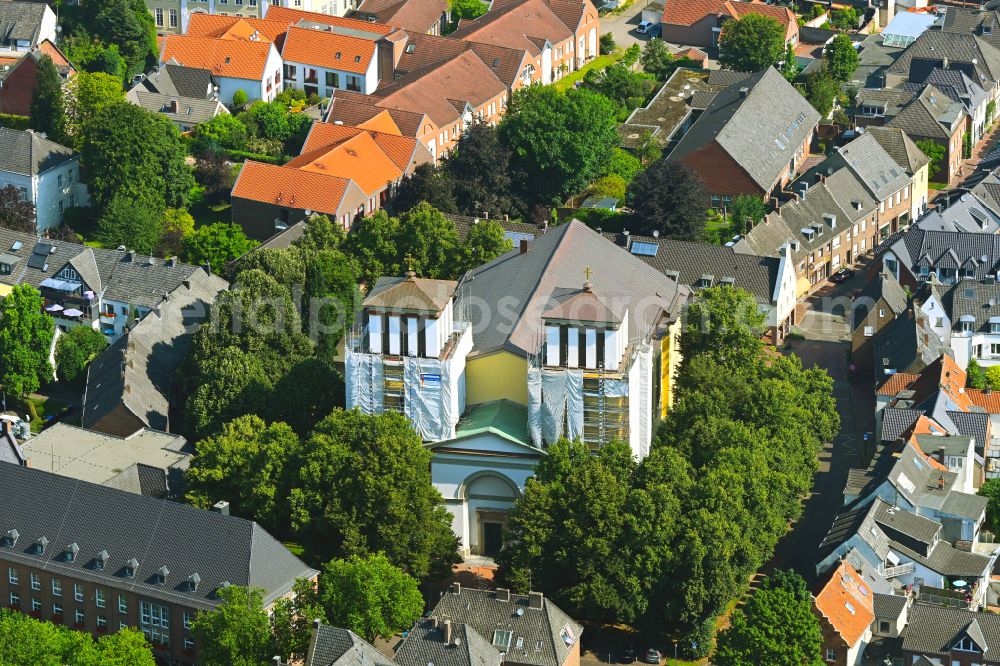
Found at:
<point>916,244</point>
<point>847,603</point>
<point>935,630</point>
<point>896,421</point>
<point>874,166</point>
<point>975,302</point>
<point>987,400</point>
<point>519,24</point>
<point>427,643</point>
<point>306,190</point>
<point>186,110</point>
<point>417,15</point>
<point>555,261</point>
<point>370,159</point>
<point>411,294</point>
<point>889,606</point>
<point>28,153</point>
<point>290,16</point>
<point>896,383</point>
<point>201,24</point>
<point>933,46</point>
<point>760,130</point>
<point>581,305</point>
<point>356,110</point>
<point>137,370</point>
<point>179,81</point>
<point>330,50</point>
<point>157,533</point>
<point>21,21</point>
<point>332,646</point>
<point>230,58</point>
<point>930,114</point>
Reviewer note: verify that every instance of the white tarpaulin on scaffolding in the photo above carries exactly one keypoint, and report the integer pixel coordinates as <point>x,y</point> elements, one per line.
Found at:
<point>535,405</point>
<point>574,404</point>
<point>428,402</point>
<point>645,398</point>
<point>364,380</point>
<point>553,404</point>
<point>616,388</point>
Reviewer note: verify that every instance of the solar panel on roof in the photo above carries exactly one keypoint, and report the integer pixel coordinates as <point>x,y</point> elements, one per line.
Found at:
<point>39,261</point>
<point>644,249</point>
<point>515,237</point>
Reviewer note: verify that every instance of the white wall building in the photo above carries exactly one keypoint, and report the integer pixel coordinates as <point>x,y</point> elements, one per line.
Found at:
<point>46,173</point>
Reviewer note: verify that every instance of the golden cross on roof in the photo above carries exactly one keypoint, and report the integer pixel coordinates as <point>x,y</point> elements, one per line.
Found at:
<point>409,262</point>
<point>587,272</point>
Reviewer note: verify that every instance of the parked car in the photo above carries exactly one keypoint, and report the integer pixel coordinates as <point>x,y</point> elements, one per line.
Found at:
<point>628,656</point>
<point>843,275</point>
<point>644,27</point>
<point>652,656</point>
<point>608,5</point>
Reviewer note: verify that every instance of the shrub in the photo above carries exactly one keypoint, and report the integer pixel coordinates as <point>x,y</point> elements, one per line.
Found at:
<point>607,43</point>
<point>239,98</point>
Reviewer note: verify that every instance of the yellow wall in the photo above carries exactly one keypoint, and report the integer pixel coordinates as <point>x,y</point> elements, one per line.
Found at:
<point>500,375</point>
<point>670,357</point>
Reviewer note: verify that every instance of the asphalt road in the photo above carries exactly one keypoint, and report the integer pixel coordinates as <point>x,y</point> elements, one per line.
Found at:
<point>623,26</point>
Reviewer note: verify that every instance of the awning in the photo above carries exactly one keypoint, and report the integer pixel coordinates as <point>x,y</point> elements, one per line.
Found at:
<point>60,285</point>
<point>73,312</point>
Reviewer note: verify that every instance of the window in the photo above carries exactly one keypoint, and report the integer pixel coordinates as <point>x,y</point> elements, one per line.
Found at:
<point>123,625</point>
<point>869,331</point>
<point>188,643</point>
<point>56,587</point>
<point>101,621</point>
<point>881,312</point>
<point>966,327</point>
<point>36,605</point>
<point>99,598</point>
<point>36,581</point>
<point>966,645</point>
<point>159,17</point>
<point>78,592</point>
<point>79,617</point>
<point>12,576</point>
<point>187,619</point>
<point>332,80</point>
<point>831,654</point>
<point>122,604</point>
<point>939,322</point>
<point>71,181</point>
<point>501,639</point>
<point>354,83</point>
<point>154,620</point>
<point>994,349</point>
<point>57,609</point>
<point>62,206</point>
<point>173,18</point>
<point>15,599</point>
<point>59,180</point>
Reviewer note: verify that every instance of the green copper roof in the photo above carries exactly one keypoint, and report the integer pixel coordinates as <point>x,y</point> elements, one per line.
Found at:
<point>501,417</point>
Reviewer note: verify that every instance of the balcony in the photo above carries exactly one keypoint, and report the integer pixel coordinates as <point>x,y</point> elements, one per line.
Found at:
<point>899,570</point>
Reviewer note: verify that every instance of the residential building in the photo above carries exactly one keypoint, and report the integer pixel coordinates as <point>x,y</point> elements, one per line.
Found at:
<point>845,608</point>
<point>130,385</point>
<point>960,89</point>
<point>699,22</point>
<point>99,559</point>
<point>950,256</point>
<point>945,635</point>
<point>25,25</point>
<point>752,138</point>
<point>771,280</point>
<point>184,95</point>
<point>19,75</point>
<point>421,16</point>
<point>492,627</point>
<point>342,172</point>
<point>321,59</point>
<point>962,212</point>
<point>880,302</point>
<point>174,17</point>
<point>908,156</point>
<point>515,66</point>
<point>46,173</point>
<point>236,62</point>
<point>331,646</point>
<point>961,49</point>
<point>933,116</point>
<point>892,612</point>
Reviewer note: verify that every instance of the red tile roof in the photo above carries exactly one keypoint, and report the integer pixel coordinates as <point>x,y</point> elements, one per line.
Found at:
<point>292,16</point>
<point>330,50</point>
<point>896,383</point>
<point>234,27</point>
<point>417,15</point>
<point>223,57</point>
<point>279,185</point>
<point>847,603</point>
<point>355,110</point>
<point>990,401</point>
<point>522,25</point>
<point>689,12</point>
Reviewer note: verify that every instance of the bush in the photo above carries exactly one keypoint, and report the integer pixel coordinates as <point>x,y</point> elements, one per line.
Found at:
<point>698,643</point>
<point>74,352</point>
<point>239,98</point>
<point>14,122</point>
<point>612,186</point>
<point>607,43</point>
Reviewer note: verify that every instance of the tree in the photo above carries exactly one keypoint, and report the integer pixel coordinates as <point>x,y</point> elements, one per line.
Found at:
<point>213,172</point>
<point>466,9</point>
<point>669,197</point>
<point>133,223</point>
<point>292,620</point>
<point>657,59</point>
<point>86,94</point>
<point>845,18</point>
<point>558,141</point>
<point>364,486</point>
<point>307,392</point>
<point>974,375</point>
<point>609,186</point>
<point>789,66</point>
<point>752,43</point>
<point>129,25</point>
<point>822,91</point>
<point>373,244</point>
<point>16,212</point>
<point>240,98</point>
<point>247,465</point>
<point>991,491</point>
<point>370,596</point>
<point>216,244</point>
<point>992,376</point>
<point>176,224</point>
<point>725,324</point>
<point>427,184</point>
<point>235,383</point>
<point>237,632</point>
<point>935,152</point>
<point>25,641</point>
<point>841,58</point>
<point>26,334</point>
<point>479,169</point>
<point>130,151</point>
<point>777,626</point>
<point>75,350</point>
<point>223,132</point>
<point>48,113</point>
<point>627,88</point>
<point>332,299</point>
<point>623,164</point>
<point>607,43</point>
<point>747,211</point>
<point>91,56</point>
<point>486,242</point>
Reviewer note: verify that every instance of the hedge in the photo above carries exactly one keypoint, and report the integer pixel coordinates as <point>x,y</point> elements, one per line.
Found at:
<point>239,155</point>
<point>14,122</point>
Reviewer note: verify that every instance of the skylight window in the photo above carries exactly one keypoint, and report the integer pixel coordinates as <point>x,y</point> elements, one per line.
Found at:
<point>501,639</point>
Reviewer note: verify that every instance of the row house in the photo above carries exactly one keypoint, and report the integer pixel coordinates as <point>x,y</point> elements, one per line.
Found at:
<point>341,172</point>
<point>19,75</point>
<point>700,22</point>
<point>430,17</point>
<point>174,17</point>
<point>236,63</point>
<point>150,564</point>
<point>933,116</point>
<point>25,25</point>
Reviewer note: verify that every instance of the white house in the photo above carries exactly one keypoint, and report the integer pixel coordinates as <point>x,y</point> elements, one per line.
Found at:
<point>325,58</point>
<point>45,172</point>
<point>25,25</point>
<point>249,65</point>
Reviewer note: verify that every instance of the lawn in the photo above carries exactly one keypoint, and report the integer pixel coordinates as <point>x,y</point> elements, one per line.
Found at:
<point>600,62</point>
<point>43,407</point>
<point>205,213</point>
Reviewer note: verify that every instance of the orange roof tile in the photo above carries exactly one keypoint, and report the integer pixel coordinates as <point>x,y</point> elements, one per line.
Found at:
<point>234,27</point>
<point>924,426</point>
<point>291,16</point>
<point>399,149</point>
<point>51,50</point>
<point>896,383</point>
<point>990,401</point>
<point>381,122</point>
<point>524,25</point>
<point>328,49</point>
<point>294,188</point>
<point>847,602</point>
<point>223,57</point>
<point>359,158</point>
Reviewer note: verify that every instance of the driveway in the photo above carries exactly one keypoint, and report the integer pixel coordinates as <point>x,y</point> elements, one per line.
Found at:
<point>622,26</point>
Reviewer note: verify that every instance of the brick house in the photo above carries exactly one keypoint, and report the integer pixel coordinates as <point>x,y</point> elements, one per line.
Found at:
<point>844,606</point>
<point>751,139</point>
<point>19,76</point>
<point>935,117</point>
<point>882,300</point>
<point>937,634</point>
<point>99,559</point>
<point>699,22</point>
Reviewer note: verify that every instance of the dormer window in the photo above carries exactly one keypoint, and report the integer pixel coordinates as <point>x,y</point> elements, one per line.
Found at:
<point>71,551</point>
<point>39,547</point>
<point>193,581</point>
<point>966,645</point>
<point>925,271</point>
<point>994,325</point>
<point>966,323</point>
<point>131,567</point>
<point>161,575</point>
<point>10,539</point>
<point>101,560</point>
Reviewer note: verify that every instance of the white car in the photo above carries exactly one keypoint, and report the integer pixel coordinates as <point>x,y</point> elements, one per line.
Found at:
<point>644,27</point>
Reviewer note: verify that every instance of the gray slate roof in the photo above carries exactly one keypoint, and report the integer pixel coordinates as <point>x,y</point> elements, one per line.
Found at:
<point>28,153</point>
<point>900,147</point>
<point>896,421</point>
<point>760,131</point>
<point>21,21</point>
<point>425,644</point>
<point>138,369</point>
<point>888,606</point>
<point>332,646</point>
<point>188,111</point>
<point>918,245</point>
<point>934,630</point>
<point>873,166</point>
<point>10,450</point>
<point>688,262</point>
<point>908,343</point>
<point>524,285</point>
<point>966,214</point>
<point>933,46</point>
<point>178,81</point>
<point>931,114</point>
<point>973,299</point>
<point>890,99</point>
<point>956,85</point>
<point>155,532</point>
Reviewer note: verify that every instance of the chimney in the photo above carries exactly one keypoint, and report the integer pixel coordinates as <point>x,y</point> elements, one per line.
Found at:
<point>940,457</point>
<point>207,267</point>
<point>524,246</point>
<point>744,92</point>
<point>173,106</point>
<point>222,506</point>
<point>503,594</point>
<point>535,600</point>
<point>388,55</point>
<point>447,632</point>
<point>456,588</point>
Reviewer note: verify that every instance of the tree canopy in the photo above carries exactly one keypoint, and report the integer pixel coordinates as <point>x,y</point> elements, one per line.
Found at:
<point>841,57</point>
<point>216,244</point>
<point>48,111</point>
<point>86,94</point>
<point>752,43</point>
<point>237,632</point>
<point>26,334</point>
<point>75,350</point>
<point>25,641</point>
<point>16,212</point>
<point>669,197</point>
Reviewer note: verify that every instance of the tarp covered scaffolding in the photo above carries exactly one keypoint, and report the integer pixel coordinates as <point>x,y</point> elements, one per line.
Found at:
<point>429,391</point>
<point>594,406</point>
